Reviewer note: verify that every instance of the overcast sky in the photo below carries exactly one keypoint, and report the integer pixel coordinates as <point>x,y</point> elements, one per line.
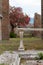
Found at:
<point>29,6</point>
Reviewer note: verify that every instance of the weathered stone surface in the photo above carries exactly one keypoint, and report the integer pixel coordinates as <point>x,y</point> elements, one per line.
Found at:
<point>9,58</point>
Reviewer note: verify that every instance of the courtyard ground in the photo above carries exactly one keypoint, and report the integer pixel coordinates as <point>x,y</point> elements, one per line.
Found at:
<point>13,44</point>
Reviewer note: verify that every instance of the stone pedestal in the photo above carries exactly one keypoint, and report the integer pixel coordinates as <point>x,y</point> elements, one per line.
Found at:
<point>21,47</point>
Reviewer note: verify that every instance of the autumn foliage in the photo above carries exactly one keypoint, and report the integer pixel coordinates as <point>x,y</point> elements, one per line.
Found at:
<point>17,17</point>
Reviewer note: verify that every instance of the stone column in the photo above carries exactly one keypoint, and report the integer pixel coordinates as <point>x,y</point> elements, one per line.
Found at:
<point>5,19</point>
<point>0,27</point>
<point>42,15</point>
<point>4,11</point>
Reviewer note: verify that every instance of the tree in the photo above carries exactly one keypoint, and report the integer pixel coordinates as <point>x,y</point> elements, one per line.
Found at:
<point>17,17</point>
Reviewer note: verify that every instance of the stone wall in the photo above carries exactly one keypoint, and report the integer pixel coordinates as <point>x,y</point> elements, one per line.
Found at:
<point>37,24</point>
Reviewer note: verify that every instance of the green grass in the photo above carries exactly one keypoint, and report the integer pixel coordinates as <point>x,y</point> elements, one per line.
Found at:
<point>2,64</point>
<point>13,44</point>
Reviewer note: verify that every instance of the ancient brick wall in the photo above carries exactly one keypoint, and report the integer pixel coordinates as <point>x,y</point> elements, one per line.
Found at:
<point>0,6</point>
<point>42,15</point>
<point>5,19</point>
<point>37,24</point>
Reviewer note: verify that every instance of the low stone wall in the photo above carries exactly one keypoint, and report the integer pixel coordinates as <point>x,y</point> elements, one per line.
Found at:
<point>33,62</point>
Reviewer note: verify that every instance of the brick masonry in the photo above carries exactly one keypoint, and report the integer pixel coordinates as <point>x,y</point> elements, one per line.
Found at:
<point>5,20</point>
<point>42,15</point>
<point>37,24</point>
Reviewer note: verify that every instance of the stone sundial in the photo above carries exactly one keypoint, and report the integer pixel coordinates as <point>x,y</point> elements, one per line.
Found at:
<point>21,31</point>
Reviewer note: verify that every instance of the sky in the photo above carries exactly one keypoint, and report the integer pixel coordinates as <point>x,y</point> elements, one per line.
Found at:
<point>29,7</point>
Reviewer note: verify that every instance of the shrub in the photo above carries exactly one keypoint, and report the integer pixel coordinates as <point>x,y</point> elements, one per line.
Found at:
<point>36,58</point>
<point>13,35</point>
<point>40,55</point>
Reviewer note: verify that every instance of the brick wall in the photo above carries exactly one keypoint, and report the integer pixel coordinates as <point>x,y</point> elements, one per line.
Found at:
<point>5,19</point>
<point>37,24</point>
<point>42,15</point>
<point>0,6</point>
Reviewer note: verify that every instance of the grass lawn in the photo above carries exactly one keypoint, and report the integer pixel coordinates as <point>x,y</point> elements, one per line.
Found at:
<point>13,44</point>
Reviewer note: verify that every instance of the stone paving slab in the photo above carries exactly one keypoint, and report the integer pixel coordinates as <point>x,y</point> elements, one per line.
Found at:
<point>14,57</point>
